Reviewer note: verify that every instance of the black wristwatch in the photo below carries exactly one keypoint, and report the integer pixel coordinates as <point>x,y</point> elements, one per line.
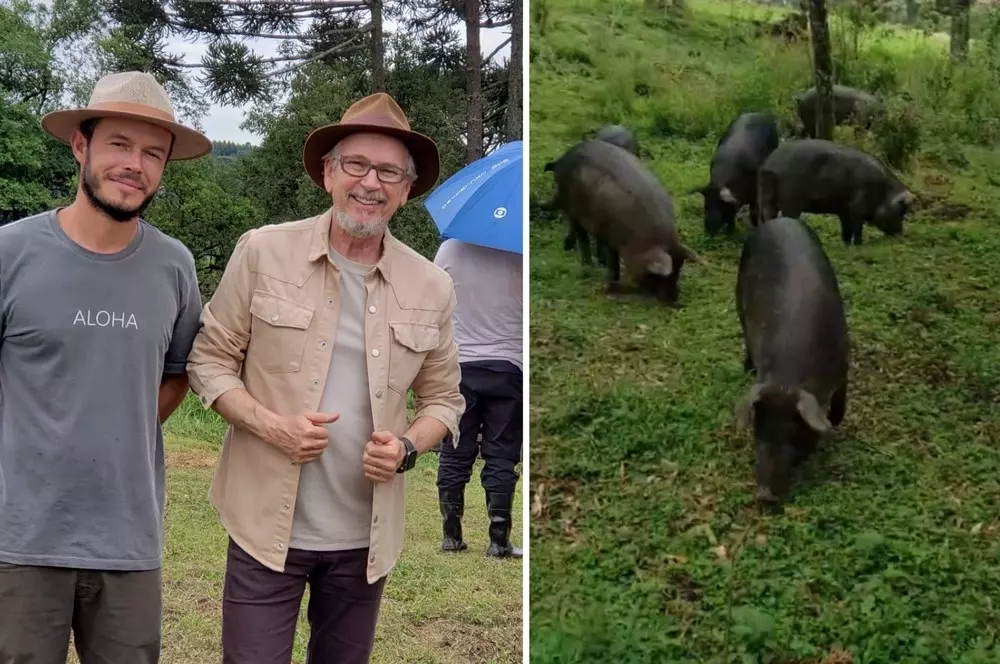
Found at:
<point>410,460</point>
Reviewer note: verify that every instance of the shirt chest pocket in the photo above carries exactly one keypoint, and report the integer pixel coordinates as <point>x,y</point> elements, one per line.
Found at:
<point>278,332</point>
<point>410,344</point>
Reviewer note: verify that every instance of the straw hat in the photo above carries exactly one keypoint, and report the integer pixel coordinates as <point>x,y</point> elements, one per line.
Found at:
<point>134,95</point>
<point>378,113</point>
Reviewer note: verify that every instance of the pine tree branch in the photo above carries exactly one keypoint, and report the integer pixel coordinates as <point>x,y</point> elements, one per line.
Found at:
<point>494,85</point>
<point>229,33</point>
<point>482,24</point>
<point>342,49</point>
<point>298,4</point>
<point>496,50</point>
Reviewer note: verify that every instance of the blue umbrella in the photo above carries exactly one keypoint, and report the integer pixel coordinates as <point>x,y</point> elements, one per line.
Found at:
<point>481,204</point>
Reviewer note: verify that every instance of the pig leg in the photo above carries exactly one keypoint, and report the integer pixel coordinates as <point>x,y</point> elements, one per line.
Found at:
<point>602,252</point>
<point>838,405</point>
<point>859,225</point>
<point>614,271</point>
<point>570,242</point>
<point>846,229</point>
<point>767,196</point>
<point>754,210</point>
<point>583,240</point>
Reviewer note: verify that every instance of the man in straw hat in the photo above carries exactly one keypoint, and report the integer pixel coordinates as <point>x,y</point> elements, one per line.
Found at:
<point>98,310</point>
<point>318,329</point>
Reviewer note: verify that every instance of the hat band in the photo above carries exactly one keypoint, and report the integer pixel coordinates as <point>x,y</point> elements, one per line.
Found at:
<point>129,107</point>
<point>378,120</point>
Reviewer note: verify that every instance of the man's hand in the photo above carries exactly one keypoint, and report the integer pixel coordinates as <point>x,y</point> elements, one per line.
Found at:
<point>301,437</point>
<point>384,453</point>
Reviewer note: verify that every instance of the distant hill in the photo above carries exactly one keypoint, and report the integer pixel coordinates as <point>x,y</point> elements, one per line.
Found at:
<point>232,150</point>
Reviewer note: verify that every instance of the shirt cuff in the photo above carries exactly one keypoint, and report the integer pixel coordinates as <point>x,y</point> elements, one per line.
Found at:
<point>442,414</point>
<point>210,390</point>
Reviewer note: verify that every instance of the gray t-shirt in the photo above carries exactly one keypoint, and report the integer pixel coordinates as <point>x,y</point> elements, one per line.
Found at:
<point>333,509</point>
<point>85,339</point>
<point>490,306</point>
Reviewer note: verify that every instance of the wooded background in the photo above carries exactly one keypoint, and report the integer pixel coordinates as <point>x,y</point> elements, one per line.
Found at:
<point>331,54</point>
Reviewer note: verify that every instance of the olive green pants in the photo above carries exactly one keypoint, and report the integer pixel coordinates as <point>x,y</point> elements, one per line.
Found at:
<point>114,616</point>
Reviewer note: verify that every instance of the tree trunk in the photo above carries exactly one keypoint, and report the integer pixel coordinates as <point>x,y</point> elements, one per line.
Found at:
<point>514,91</point>
<point>912,12</point>
<point>822,69</point>
<point>473,83</point>
<point>378,48</point>
<point>959,30</point>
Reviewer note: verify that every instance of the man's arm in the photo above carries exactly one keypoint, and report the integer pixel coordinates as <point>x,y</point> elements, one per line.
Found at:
<point>173,389</point>
<point>174,383</point>
<point>217,353</point>
<point>426,432</point>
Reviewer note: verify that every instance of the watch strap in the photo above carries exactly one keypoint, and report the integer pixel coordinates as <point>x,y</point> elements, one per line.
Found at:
<point>410,460</point>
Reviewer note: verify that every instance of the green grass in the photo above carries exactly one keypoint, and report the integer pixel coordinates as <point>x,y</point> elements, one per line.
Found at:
<point>645,543</point>
<point>437,608</point>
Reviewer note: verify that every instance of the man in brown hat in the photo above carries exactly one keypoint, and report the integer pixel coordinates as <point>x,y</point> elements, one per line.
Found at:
<point>98,310</point>
<point>318,329</point>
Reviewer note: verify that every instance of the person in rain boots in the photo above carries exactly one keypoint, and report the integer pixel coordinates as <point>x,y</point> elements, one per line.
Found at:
<point>488,331</point>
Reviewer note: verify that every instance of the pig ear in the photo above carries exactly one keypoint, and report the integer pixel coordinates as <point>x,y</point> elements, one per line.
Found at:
<point>662,264</point>
<point>744,409</point>
<point>811,412</point>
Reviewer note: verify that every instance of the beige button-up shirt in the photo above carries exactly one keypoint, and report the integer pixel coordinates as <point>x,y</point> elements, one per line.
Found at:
<point>270,328</point>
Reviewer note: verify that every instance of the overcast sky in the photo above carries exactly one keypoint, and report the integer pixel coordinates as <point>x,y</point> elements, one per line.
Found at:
<point>222,123</point>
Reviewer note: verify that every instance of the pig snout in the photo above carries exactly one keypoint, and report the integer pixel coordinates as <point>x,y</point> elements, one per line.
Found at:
<point>766,496</point>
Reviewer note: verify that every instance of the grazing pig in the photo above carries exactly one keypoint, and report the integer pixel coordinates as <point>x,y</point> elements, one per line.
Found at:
<point>732,181</point>
<point>849,104</point>
<point>625,139</point>
<point>824,177</point>
<point>795,332</point>
<point>575,230</point>
<point>620,136</point>
<point>609,193</point>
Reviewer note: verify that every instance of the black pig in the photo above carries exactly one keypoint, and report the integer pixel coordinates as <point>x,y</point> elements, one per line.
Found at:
<point>824,177</point>
<point>849,104</point>
<point>609,193</point>
<point>795,333</point>
<point>732,182</point>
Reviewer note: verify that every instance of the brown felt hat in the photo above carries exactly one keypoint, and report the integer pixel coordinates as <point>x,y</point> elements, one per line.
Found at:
<point>134,95</point>
<point>378,113</point>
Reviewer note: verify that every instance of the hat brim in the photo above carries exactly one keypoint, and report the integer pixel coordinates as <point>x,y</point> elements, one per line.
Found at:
<point>422,148</point>
<point>188,143</point>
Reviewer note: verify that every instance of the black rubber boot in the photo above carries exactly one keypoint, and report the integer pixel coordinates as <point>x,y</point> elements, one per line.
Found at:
<point>498,506</point>
<point>452,503</point>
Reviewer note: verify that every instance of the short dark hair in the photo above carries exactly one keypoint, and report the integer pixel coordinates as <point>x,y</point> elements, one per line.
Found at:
<point>88,126</point>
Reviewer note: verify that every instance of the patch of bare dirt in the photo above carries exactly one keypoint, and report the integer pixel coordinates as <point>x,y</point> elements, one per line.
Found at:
<point>466,643</point>
<point>191,458</point>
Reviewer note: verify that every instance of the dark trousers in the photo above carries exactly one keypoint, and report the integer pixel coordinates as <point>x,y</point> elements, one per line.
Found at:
<point>493,408</point>
<point>114,616</point>
<point>260,607</point>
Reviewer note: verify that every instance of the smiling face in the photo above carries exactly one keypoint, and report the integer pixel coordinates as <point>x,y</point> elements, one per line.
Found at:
<point>122,163</point>
<point>364,202</point>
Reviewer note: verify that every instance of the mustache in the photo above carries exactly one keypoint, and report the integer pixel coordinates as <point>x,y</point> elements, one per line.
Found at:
<point>125,176</point>
<point>370,196</point>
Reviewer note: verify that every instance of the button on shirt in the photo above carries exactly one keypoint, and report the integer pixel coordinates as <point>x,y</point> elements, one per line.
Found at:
<point>261,331</point>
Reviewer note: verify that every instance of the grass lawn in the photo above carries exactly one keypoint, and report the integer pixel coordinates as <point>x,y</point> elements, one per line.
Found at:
<point>437,608</point>
<point>646,546</point>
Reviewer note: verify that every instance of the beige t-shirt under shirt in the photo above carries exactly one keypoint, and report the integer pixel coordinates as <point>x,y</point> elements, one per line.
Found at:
<point>333,509</point>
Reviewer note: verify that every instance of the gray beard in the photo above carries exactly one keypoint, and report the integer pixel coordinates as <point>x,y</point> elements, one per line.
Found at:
<point>357,230</point>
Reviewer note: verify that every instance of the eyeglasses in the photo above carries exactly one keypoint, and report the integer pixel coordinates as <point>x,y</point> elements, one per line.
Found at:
<point>359,167</point>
